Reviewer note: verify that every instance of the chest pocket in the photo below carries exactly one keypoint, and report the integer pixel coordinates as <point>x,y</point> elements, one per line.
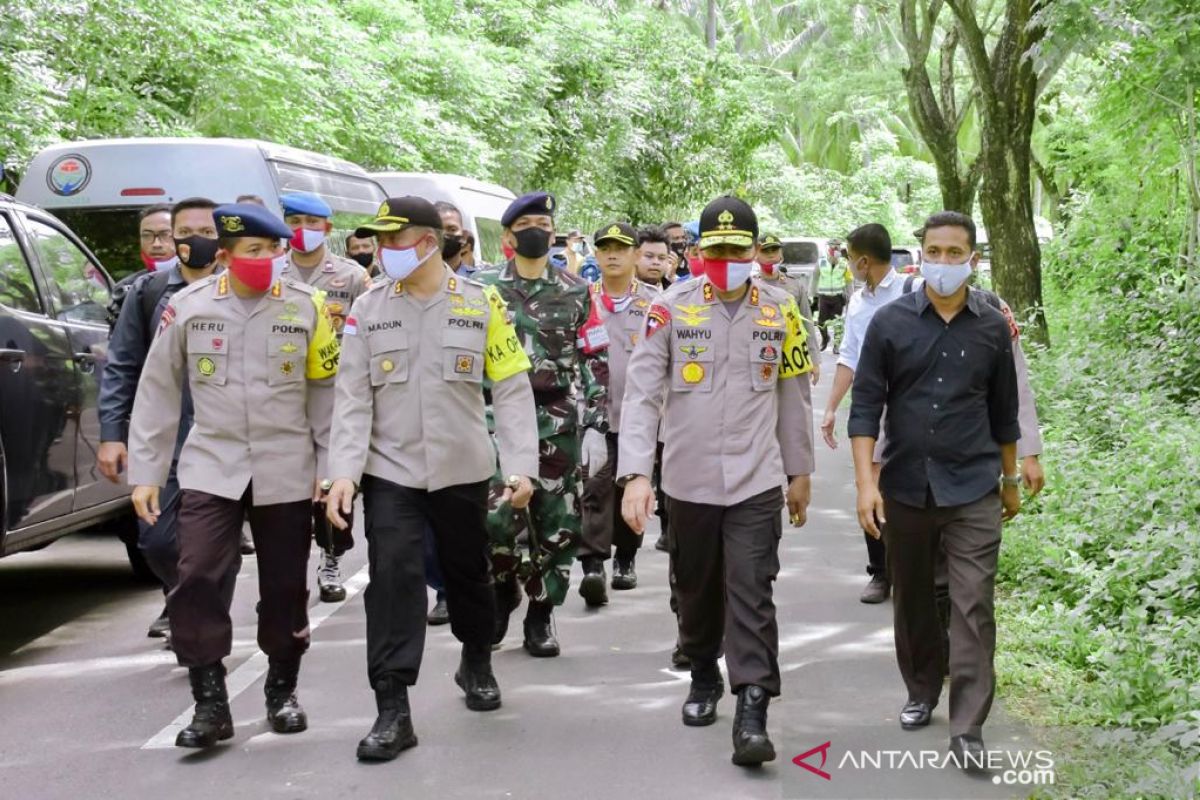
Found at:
<point>208,357</point>
<point>389,356</point>
<point>765,358</point>
<point>287,355</point>
<point>692,365</point>
<point>462,354</point>
<point>635,321</point>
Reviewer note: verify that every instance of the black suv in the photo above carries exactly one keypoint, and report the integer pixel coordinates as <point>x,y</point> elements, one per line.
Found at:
<point>53,343</point>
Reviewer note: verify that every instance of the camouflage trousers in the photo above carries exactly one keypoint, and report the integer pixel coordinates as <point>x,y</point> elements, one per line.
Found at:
<point>540,560</point>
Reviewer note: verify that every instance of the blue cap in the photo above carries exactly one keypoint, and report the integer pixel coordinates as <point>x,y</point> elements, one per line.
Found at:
<point>541,203</point>
<point>692,229</point>
<point>242,220</point>
<point>304,203</point>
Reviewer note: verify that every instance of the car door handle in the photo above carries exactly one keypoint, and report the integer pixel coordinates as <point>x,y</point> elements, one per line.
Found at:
<point>86,362</point>
<point>13,358</point>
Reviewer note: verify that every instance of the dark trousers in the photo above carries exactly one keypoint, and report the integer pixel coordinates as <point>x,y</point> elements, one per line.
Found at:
<point>829,306</point>
<point>725,562</point>
<point>210,532</point>
<point>433,572</point>
<point>396,520</point>
<point>159,542</point>
<point>664,516</point>
<point>603,525</point>
<point>970,536</point>
<point>876,556</point>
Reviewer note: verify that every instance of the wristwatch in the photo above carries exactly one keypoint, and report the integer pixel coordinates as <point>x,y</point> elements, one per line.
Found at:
<point>624,479</point>
<point>1015,480</point>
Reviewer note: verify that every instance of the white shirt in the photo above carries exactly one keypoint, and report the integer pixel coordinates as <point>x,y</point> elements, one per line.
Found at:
<point>863,305</point>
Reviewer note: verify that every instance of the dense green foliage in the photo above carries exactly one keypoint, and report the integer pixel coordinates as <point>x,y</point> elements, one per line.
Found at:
<point>624,110</point>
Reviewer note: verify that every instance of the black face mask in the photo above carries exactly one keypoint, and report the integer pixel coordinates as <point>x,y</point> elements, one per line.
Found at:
<point>451,246</point>
<point>678,248</point>
<point>202,251</point>
<point>532,242</point>
<point>364,259</point>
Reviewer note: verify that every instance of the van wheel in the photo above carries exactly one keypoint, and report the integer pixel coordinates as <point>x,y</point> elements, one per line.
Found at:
<point>127,529</point>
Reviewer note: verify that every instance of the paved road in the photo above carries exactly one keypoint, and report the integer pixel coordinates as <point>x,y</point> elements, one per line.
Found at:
<point>87,702</point>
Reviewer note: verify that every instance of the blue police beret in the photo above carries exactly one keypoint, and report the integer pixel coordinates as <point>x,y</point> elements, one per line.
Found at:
<point>692,229</point>
<point>304,203</point>
<point>532,203</point>
<point>241,220</point>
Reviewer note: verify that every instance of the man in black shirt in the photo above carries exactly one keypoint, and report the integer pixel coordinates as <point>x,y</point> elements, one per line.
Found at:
<point>940,361</point>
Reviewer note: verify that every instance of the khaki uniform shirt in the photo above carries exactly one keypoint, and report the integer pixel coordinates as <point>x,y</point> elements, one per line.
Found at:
<point>622,331</point>
<point>410,404</point>
<point>261,383</point>
<point>735,423</point>
<point>341,279</point>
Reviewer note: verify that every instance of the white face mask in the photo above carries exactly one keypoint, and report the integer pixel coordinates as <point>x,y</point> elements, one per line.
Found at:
<point>946,279</point>
<point>400,262</point>
<point>306,241</point>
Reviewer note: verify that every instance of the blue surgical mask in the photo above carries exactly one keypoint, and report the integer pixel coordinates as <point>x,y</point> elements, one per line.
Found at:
<point>946,279</point>
<point>400,262</point>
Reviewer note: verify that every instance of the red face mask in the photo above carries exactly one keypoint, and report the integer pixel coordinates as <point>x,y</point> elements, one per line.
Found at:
<point>154,266</point>
<point>256,273</point>
<point>508,252</point>
<point>767,269</point>
<point>696,266</point>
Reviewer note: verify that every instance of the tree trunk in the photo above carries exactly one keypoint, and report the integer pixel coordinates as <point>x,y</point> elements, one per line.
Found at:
<point>710,25</point>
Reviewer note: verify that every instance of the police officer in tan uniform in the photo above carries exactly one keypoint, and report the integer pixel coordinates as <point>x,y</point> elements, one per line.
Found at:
<point>410,426</point>
<point>726,351</point>
<point>259,355</point>
<point>618,315</point>
<point>310,261</point>
<point>770,259</point>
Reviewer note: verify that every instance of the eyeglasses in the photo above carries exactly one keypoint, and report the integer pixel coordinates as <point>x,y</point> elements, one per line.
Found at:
<point>156,236</point>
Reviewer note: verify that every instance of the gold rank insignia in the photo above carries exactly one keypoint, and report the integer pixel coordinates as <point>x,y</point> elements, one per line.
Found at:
<point>753,295</point>
<point>456,300</point>
<point>387,365</point>
<point>451,285</point>
<point>464,364</point>
<point>288,347</point>
<point>206,367</point>
<point>692,373</point>
<point>287,367</point>
<point>692,315</point>
<point>232,223</point>
<point>399,288</point>
<point>223,286</point>
<point>277,290</point>
<point>708,293</point>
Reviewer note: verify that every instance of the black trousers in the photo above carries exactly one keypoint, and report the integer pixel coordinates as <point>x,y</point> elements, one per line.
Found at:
<point>876,556</point>
<point>829,306</point>
<point>726,559</point>
<point>395,599</point>
<point>970,536</point>
<point>209,534</point>
<point>603,525</point>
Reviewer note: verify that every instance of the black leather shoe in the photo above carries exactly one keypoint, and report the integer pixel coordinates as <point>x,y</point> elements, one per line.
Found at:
<point>507,599</point>
<point>393,730</point>
<point>211,721</point>
<point>439,614</point>
<point>283,709</point>
<point>700,707</point>
<point>539,630</point>
<point>592,588</point>
<point>876,590</point>
<point>969,753</point>
<point>661,543</point>
<point>475,678</point>
<point>624,578</point>
<point>161,627</point>
<point>751,745</point>
<point>916,714</point>
<point>679,660</point>
<point>246,546</point>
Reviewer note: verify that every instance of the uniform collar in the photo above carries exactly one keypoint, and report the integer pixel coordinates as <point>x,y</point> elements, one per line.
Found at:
<point>709,292</point>
<point>974,304</point>
<point>222,289</point>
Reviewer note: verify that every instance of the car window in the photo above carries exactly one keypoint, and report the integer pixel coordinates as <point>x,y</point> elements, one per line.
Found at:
<point>78,291</point>
<point>800,253</point>
<point>17,288</point>
<point>489,240</point>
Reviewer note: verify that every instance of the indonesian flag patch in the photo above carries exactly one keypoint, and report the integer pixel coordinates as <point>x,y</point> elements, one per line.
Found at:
<point>351,327</point>
<point>657,317</point>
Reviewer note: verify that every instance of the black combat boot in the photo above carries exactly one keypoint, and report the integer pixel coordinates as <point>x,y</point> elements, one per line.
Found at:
<point>283,709</point>
<point>539,632</point>
<point>592,588</point>
<point>211,721</point>
<point>393,730</point>
<point>475,678</point>
<point>700,707</point>
<point>507,599</point>
<point>751,745</point>
<point>623,575</point>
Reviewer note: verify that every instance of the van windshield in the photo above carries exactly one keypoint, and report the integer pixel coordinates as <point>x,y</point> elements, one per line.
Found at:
<point>800,253</point>
<point>489,240</point>
<point>110,233</point>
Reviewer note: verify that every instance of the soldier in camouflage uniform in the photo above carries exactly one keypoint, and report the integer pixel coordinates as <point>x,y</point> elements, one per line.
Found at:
<point>548,310</point>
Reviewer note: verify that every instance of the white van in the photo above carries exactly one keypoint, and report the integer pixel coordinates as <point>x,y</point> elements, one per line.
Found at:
<point>482,204</point>
<point>98,186</point>
<point>803,258</point>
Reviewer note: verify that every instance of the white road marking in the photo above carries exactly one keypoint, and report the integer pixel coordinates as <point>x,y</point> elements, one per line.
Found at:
<point>253,668</point>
